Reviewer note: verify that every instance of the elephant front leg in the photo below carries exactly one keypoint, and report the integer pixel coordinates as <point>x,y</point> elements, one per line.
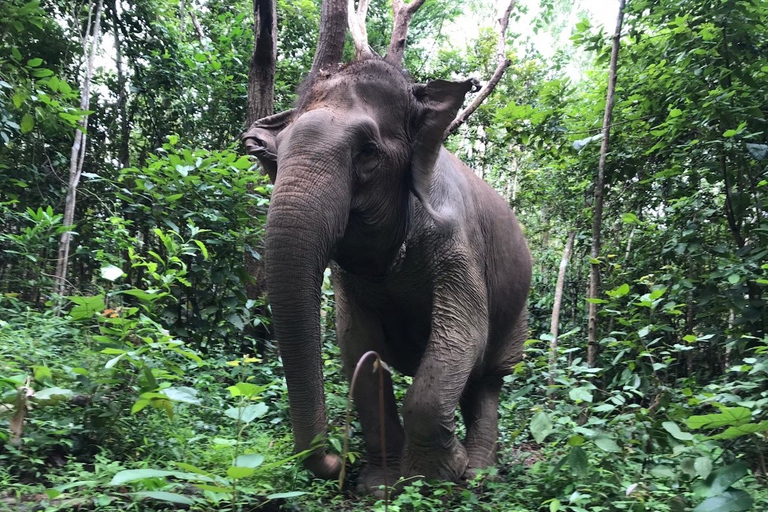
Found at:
<point>358,333</point>
<point>457,342</point>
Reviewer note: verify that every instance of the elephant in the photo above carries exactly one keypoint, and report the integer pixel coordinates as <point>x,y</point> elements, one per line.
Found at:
<point>430,269</point>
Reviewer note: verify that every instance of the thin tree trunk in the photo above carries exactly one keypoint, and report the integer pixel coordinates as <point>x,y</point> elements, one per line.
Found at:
<point>77,155</point>
<point>123,153</point>
<point>555,325</point>
<point>597,214</point>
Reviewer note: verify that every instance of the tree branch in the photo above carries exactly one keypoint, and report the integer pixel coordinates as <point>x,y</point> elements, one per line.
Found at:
<point>403,13</point>
<point>502,64</point>
<point>358,29</point>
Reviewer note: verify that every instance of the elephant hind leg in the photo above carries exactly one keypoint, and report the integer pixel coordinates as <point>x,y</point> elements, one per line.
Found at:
<point>480,410</point>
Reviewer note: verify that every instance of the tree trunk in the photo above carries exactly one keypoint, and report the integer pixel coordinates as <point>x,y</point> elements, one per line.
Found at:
<point>77,155</point>
<point>555,325</point>
<point>261,73</point>
<point>597,213</point>
<point>261,103</point>
<point>333,29</point>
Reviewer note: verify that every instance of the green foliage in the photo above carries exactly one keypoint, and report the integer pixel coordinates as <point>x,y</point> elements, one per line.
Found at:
<point>140,389</point>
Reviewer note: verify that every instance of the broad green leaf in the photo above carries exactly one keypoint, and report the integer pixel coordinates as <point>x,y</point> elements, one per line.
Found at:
<point>182,394</point>
<point>86,307</point>
<point>721,479</point>
<point>27,123</point>
<point>703,466</point>
<point>578,461</point>
<point>742,430</point>
<point>111,272</point>
<point>675,112</point>
<point>729,416</point>
<point>53,393</point>
<point>134,475</point>
<point>34,63</point>
<point>733,500</point>
<point>607,444</point>
<point>238,472</point>
<point>581,394</point>
<point>629,218</point>
<point>674,431</point>
<point>541,426</point>
<point>285,495</point>
<point>248,413</point>
<point>169,497</point>
<point>250,460</point>
<point>619,291</point>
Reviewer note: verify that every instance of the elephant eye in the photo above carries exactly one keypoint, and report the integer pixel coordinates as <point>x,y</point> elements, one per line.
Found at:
<point>367,159</point>
<point>369,149</point>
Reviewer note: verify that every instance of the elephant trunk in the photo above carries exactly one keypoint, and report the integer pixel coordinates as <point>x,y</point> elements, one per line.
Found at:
<point>307,215</point>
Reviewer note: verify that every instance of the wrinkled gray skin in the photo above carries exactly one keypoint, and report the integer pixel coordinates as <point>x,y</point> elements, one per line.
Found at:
<point>430,268</point>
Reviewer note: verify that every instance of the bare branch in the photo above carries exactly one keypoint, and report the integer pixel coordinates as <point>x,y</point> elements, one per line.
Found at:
<point>333,29</point>
<point>403,13</point>
<point>358,29</point>
<point>198,26</point>
<point>502,64</point>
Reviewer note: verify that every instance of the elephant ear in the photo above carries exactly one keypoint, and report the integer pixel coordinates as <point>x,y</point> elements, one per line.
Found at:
<point>260,138</point>
<point>437,104</point>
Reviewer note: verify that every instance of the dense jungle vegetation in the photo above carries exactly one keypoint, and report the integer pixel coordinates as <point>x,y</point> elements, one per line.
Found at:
<point>148,379</point>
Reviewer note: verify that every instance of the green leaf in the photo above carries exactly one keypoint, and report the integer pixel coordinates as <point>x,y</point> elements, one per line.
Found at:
<point>33,63</point>
<point>674,431</point>
<point>251,460</point>
<point>134,475</point>
<point>182,394</point>
<point>675,112</point>
<point>742,430</point>
<point>619,291</point>
<point>52,393</point>
<point>607,444</point>
<point>237,472</point>
<point>111,272</point>
<point>169,497</point>
<point>285,495</point>
<point>702,466</point>
<point>86,307</point>
<point>721,479</point>
<point>729,416</point>
<point>734,278</point>
<point>248,413</point>
<point>733,500</point>
<point>578,461</point>
<point>27,123</point>
<point>541,426</point>
<point>629,218</point>
<point>581,394</point>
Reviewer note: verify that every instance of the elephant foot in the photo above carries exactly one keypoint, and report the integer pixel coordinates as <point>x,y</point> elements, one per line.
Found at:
<point>373,478</point>
<point>436,463</point>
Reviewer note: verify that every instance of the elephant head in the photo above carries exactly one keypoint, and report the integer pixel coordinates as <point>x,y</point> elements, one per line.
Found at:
<point>347,164</point>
